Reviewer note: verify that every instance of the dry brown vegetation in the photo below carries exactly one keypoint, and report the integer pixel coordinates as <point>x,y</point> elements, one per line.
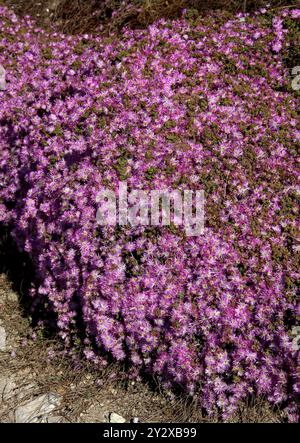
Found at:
<point>75,16</point>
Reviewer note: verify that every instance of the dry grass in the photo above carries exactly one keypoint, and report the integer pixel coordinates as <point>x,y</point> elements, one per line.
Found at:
<point>81,16</point>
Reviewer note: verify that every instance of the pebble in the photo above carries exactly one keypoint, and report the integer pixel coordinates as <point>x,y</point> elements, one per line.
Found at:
<point>116,418</point>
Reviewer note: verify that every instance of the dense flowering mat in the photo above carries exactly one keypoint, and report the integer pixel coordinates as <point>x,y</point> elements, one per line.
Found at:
<point>194,103</point>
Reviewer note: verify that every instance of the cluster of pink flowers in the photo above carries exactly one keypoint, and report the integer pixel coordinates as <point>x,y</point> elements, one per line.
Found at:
<point>186,104</point>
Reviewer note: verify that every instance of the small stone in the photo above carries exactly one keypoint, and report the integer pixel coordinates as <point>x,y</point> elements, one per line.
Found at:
<point>116,418</point>
<point>35,410</point>
<point>2,339</point>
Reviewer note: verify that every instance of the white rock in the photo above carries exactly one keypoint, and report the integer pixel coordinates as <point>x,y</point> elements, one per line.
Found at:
<point>2,339</point>
<point>7,387</point>
<point>35,410</point>
<point>2,79</point>
<point>116,418</point>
